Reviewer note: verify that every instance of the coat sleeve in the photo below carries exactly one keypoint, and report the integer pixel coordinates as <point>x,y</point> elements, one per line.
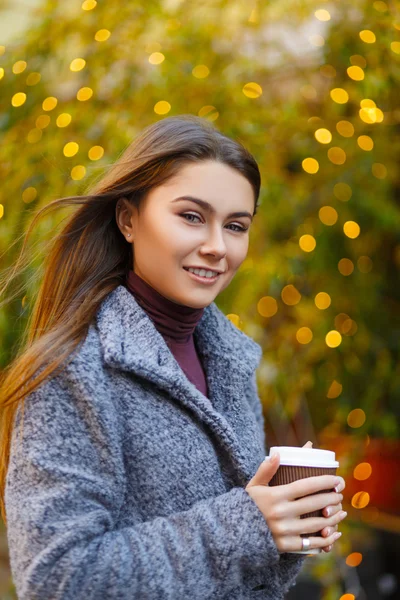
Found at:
<point>64,489</point>
<point>289,565</point>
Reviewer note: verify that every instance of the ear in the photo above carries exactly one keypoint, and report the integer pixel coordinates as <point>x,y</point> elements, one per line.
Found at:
<point>123,213</point>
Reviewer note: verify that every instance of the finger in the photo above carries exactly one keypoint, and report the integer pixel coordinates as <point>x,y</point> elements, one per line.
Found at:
<point>308,504</point>
<point>313,524</point>
<point>327,531</point>
<point>310,485</point>
<point>328,511</point>
<point>320,542</point>
<point>327,548</point>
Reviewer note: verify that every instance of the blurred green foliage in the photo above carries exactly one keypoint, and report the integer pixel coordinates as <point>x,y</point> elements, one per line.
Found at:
<point>296,56</point>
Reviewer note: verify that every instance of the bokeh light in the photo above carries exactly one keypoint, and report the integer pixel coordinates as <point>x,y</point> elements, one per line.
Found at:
<point>290,295</point>
<point>267,306</point>
<point>360,500</point>
<point>354,559</point>
<point>356,418</point>
<point>333,339</point>
<point>362,471</point>
<point>322,300</point>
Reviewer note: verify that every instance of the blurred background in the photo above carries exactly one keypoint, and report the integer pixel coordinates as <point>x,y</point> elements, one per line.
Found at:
<point>312,90</point>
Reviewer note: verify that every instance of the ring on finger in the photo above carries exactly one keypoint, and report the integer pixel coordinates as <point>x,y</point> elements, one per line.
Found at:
<point>305,543</point>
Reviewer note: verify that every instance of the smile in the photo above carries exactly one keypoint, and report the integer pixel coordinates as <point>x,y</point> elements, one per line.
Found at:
<point>200,279</point>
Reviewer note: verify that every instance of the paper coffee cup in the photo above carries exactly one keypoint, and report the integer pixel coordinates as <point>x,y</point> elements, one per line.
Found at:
<point>300,463</point>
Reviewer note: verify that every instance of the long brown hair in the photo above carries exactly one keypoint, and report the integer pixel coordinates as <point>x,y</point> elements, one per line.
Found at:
<point>90,257</point>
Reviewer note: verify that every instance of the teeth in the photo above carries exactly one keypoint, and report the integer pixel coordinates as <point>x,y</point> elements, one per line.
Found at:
<point>202,272</point>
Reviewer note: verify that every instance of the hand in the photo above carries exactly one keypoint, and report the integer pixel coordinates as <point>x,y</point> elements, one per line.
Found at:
<point>329,511</point>
<point>281,506</point>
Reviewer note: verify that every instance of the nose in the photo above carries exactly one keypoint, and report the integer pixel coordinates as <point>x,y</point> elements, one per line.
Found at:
<point>215,243</point>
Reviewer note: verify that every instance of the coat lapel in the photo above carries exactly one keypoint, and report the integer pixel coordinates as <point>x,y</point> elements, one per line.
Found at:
<point>131,342</point>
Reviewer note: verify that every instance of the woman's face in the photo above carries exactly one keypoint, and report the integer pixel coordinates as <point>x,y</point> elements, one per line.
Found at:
<point>169,233</point>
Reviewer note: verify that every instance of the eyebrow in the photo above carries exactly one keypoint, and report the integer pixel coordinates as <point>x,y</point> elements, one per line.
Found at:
<point>210,208</point>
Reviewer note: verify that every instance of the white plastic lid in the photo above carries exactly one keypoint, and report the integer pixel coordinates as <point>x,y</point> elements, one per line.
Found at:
<point>305,457</point>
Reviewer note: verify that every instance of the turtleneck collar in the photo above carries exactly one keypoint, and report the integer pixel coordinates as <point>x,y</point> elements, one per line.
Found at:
<point>173,320</point>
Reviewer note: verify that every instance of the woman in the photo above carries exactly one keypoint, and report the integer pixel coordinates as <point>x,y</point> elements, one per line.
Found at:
<point>139,471</point>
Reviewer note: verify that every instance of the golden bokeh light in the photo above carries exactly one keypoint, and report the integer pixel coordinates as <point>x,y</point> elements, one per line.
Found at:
<point>328,215</point>
<point>395,47</point>
<point>290,295</point>
<point>345,128</point>
<point>96,152</point>
<point>162,107</point>
<point>33,78</point>
<point>307,243</point>
<point>347,597</point>
<point>304,335</point>
<point>365,142</point>
<point>70,149</point>
<point>18,99</point>
<point>379,170</point>
<point>342,191</point>
<point>102,35</point>
<point>322,300</point>
<point>364,264</point>
<point>252,90</point>
<point>1,211</point>
<point>42,121</point>
<point>360,500</point>
<point>337,155</point>
<point>235,319</point>
<point>19,67</point>
<point>380,6</point>
<point>84,93</point>
<point>209,112</point>
<point>367,36</point>
<point>356,73</point>
<point>322,15</point>
<point>333,339</point>
<point>77,64</point>
<point>362,471</point>
<point>34,135</point>
<point>339,95</point>
<point>89,5</point>
<point>267,306</point>
<point>156,58</point>
<point>1,73</point>
<point>345,266</point>
<point>78,172</point>
<point>63,120</point>
<point>310,165</point>
<point>323,136</point>
<point>49,103</point>
<point>356,418</point>
<point>29,194</point>
<point>351,229</point>
<point>335,389</point>
<point>202,71</point>
<point>354,559</point>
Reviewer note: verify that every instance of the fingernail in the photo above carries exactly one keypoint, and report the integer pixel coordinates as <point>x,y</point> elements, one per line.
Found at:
<point>338,488</point>
<point>343,514</point>
<point>337,535</point>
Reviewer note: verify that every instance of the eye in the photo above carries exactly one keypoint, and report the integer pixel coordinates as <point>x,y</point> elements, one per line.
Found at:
<point>239,228</point>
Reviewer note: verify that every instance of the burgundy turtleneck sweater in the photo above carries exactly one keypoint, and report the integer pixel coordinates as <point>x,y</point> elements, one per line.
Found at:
<point>176,323</point>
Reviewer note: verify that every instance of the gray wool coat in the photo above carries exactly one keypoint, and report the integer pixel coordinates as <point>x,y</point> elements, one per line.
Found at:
<point>129,483</point>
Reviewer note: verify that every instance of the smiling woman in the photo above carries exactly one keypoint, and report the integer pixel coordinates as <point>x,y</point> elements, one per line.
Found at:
<point>167,241</point>
<point>141,421</point>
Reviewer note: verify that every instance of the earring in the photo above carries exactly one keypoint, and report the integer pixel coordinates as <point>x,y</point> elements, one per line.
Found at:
<point>129,235</point>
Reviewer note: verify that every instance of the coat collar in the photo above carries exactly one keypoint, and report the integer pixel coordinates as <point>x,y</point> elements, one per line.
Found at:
<point>131,342</point>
